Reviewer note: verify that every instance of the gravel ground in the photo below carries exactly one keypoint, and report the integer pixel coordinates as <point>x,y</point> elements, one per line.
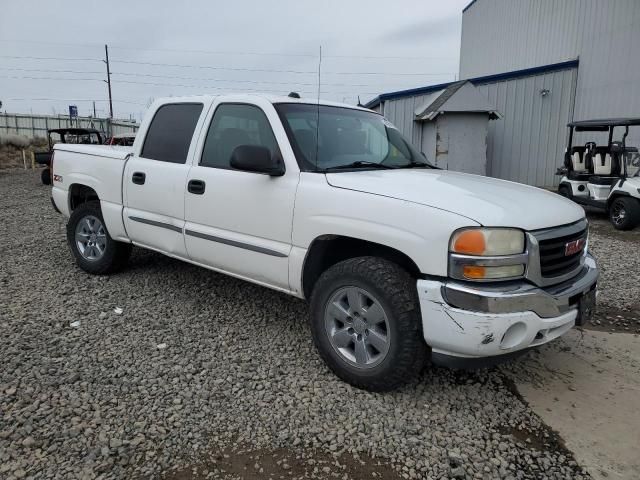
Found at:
<point>618,256</point>
<point>203,376</point>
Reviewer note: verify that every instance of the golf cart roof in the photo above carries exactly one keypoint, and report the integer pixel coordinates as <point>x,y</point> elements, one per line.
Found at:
<point>603,124</point>
<point>74,131</point>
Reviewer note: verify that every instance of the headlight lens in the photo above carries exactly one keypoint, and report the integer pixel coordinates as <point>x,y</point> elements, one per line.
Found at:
<point>488,241</point>
<point>487,254</point>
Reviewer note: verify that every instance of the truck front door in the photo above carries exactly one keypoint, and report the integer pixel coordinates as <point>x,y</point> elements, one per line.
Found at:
<point>155,179</point>
<point>236,221</point>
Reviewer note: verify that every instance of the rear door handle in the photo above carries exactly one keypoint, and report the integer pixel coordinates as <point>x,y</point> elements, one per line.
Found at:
<point>138,178</point>
<point>196,187</point>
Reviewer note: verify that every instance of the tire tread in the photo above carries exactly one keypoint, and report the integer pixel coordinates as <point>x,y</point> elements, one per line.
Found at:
<point>400,292</point>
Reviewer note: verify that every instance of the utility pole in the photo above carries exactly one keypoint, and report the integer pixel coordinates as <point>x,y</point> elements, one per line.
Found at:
<point>106,61</point>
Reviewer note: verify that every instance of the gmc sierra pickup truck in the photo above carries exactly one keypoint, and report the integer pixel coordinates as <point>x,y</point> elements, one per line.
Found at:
<point>400,261</point>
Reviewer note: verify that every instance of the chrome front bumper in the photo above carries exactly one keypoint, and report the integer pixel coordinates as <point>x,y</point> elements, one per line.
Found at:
<point>519,297</point>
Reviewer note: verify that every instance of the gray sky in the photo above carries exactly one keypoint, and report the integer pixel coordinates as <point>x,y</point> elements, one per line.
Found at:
<point>51,51</point>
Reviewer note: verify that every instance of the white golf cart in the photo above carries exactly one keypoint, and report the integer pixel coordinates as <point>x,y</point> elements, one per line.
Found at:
<point>604,176</point>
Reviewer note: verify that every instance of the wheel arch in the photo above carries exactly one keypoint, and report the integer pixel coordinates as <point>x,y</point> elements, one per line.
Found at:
<point>80,193</point>
<point>329,249</point>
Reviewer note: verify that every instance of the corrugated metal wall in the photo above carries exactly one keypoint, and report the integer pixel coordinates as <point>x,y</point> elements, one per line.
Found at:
<point>401,112</point>
<point>37,125</point>
<point>505,35</point>
<point>526,145</point>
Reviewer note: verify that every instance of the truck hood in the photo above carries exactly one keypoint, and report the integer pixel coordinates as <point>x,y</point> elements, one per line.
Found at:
<point>488,201</point>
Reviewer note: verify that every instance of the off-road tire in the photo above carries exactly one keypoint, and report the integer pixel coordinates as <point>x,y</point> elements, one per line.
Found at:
<point>396,291</point>
<point>631,208</point>
<point>116,254</point>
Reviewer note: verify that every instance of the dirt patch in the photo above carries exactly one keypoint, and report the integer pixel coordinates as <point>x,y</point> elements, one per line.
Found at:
<point>542,439</point>
<point>284,464</point>
<point>614,319</point>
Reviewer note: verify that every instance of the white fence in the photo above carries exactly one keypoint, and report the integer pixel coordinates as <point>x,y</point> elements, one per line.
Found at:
<point>37,125</point>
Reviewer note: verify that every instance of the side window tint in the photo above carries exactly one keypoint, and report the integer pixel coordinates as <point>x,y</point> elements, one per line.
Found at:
<point>171,131</point>
<point>234,125</point>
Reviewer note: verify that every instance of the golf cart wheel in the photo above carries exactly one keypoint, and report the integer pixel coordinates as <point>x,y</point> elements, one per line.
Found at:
<point>92,246</point>
<point>565,191</point>
<point>45,176</point>
<point>366,323</point>
<point>624,213</point>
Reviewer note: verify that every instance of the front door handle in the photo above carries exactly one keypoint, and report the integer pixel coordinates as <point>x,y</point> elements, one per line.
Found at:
<point>138,178</point>
<point>196,187</point>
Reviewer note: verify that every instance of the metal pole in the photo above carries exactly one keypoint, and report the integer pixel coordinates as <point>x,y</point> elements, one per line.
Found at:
<point>106,56</point>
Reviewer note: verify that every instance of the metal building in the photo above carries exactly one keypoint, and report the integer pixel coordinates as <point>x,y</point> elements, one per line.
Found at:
<point>541,63</point>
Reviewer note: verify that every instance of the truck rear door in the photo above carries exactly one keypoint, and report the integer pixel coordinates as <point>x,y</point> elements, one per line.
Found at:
<point>155,178</point>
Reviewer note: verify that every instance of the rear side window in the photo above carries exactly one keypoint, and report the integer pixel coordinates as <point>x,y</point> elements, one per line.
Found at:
<point>234,125</point>
<point>171,131</point>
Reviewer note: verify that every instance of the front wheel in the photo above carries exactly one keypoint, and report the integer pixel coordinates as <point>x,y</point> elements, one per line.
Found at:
<point>565,191</point>
<point>366,324</point>
<point>92,246</point>
<point>624,213</point>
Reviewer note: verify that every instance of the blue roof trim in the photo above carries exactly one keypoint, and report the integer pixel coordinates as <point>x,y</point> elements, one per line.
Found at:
<point>469,6</point>
<point>477,80</point>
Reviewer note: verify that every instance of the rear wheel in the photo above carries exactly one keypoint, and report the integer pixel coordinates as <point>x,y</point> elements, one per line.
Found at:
<point>366,324</point>
<point>92,246</point>
<point>624,213</point>
<point>565,191</point>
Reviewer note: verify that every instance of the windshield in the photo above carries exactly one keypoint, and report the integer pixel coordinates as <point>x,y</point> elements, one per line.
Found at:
<point>632,160</point>
<point>326,138</point>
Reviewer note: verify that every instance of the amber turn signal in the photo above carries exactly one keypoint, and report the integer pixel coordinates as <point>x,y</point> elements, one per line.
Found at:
<point>470,242</point>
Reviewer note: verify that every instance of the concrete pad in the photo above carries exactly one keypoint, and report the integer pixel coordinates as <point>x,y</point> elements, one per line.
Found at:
<point>586,386</point>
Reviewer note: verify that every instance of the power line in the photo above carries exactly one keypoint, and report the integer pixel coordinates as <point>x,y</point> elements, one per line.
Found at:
<point>239,69</point>
<point>53,78</point>
<point>46,70</point>
<point>219,52</point>
<point>179,77</point>
<point>275,70</point>
<point>71,100</point>
<point>263,70</point>
<point>74,59</point>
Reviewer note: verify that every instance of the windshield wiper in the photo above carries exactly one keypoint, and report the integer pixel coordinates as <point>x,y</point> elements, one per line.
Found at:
<point>414,164</point>
<point>359,164</point>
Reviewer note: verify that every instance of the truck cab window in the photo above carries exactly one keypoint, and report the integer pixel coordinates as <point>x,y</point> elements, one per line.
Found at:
<point>171,131</point>
<point>234,125</point>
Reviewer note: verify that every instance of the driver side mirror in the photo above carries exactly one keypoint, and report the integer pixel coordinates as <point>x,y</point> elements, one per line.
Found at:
<point>257,159</point>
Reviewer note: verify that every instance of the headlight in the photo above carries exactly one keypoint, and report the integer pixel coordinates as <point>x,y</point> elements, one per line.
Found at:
<point>487,241</point>
<point>487,254</point>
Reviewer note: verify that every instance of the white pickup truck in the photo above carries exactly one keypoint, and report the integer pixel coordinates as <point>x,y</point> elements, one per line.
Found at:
<point>399,260</point>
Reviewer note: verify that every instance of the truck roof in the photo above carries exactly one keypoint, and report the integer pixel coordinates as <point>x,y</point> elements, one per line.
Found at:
<point>235,97</point>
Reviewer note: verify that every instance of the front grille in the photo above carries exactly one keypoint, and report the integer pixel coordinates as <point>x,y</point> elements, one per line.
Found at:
<point>553,261</point>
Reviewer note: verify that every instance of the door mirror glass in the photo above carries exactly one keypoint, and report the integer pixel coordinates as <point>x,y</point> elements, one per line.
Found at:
<point>258,159</point>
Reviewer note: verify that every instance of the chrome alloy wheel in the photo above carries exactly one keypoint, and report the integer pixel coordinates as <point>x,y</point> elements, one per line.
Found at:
<point>91,238</point>
<point>357,327</point>
<point>619,213</point>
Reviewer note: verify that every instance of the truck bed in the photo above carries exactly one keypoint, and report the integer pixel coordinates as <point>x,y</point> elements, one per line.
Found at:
<point>99,167</point>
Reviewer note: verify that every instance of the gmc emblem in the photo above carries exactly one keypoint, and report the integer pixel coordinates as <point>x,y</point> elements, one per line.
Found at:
<point>574,247</point>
